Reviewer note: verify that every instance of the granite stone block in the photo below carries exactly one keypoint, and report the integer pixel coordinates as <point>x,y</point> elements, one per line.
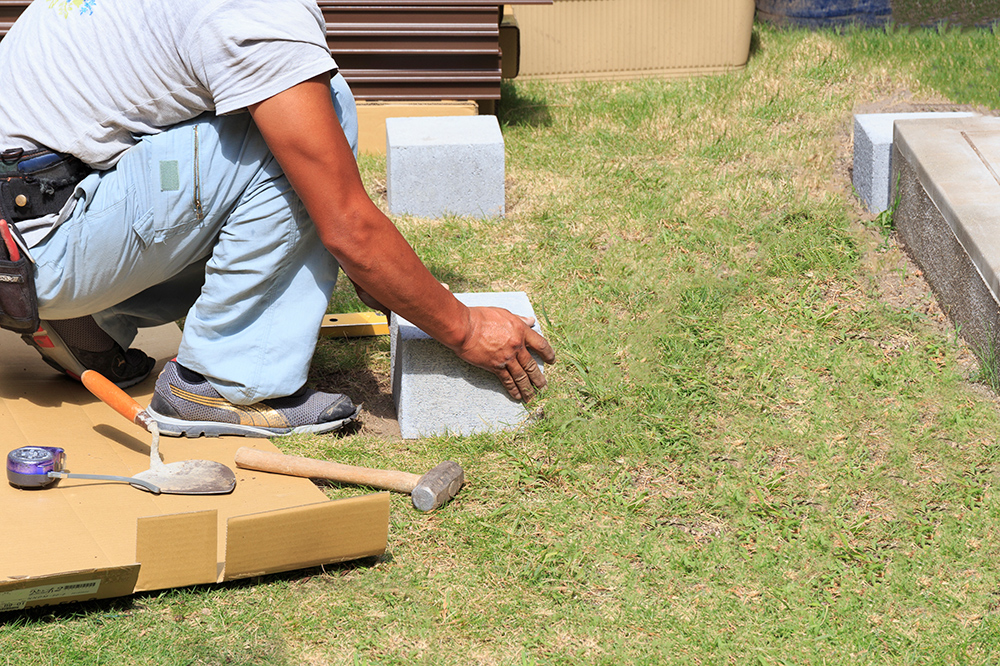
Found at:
<point>949,219</point>
<point>445,165</point>
<point>873,153</point>
<point>437,393</point>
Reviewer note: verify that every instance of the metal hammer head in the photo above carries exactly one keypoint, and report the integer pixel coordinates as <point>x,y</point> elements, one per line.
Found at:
<point>437,486</point>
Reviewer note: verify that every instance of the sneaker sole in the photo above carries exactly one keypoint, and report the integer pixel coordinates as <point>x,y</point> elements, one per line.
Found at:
<point>179,428</point>
<point>60,359</point>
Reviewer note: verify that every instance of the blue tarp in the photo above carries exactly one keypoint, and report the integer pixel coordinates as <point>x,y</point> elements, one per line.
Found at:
<point>818,13</point>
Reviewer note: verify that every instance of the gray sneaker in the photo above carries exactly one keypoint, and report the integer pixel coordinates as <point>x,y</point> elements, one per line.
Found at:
<point>185,404</point>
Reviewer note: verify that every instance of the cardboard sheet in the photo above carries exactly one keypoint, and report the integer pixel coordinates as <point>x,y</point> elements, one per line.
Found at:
<point>106,527</point>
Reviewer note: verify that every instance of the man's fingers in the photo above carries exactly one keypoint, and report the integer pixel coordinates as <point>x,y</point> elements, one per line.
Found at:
<point>509,384</point>
<point>521,375</point>
<point>521,381</point>
<point>504,343</point>
<point>535,341</point>
<point>533,372</point>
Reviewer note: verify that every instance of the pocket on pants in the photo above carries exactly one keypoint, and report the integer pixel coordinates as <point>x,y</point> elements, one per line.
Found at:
<point>175,179</point>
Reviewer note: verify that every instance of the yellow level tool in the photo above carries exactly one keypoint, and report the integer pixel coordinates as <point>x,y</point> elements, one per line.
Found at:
<point>354,325</point>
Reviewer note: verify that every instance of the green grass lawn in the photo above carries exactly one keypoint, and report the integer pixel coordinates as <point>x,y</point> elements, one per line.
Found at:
<point>762,444</point>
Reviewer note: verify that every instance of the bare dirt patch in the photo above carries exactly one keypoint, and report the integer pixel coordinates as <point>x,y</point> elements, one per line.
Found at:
<point>904,101</point>
<point>372,389</point>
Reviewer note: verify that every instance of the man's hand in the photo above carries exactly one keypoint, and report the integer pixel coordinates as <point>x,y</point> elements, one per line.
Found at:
<point>501,342</point>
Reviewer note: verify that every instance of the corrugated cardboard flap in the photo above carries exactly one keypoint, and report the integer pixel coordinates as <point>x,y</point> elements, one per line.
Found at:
<point>307,536</point>
<point>177,550</point>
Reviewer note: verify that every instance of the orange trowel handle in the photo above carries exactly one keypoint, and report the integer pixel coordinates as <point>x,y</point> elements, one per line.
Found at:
<point>115,398</point>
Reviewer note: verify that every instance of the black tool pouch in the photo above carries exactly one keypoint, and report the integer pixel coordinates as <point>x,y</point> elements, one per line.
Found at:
<point>18,303</point>
<point>32,184</point>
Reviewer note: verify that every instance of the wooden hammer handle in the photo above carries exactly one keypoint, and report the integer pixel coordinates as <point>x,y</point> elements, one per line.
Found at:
<point>280,463</point>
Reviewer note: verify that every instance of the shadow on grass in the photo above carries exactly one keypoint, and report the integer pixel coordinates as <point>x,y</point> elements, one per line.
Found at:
<point>754,44</point>
<point>110,608</point>
<point>345,365</point>
<point>516,108</point>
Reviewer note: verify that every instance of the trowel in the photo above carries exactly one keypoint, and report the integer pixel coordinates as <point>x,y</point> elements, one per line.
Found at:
<point>38,467</point>
<point>187,477</point>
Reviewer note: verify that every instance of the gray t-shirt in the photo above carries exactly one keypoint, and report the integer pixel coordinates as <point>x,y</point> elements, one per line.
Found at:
<point>86,77</point>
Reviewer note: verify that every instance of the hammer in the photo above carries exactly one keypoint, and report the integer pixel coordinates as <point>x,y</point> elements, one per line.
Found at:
<point>427,492</point>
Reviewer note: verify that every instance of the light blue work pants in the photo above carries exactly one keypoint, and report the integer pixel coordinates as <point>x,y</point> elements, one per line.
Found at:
<point>200,222</point>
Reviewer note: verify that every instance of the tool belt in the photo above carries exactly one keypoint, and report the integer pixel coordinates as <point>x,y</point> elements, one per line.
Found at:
<point>33,183</point>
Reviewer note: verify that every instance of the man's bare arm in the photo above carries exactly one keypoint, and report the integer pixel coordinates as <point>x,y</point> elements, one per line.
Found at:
<point>301,128</point>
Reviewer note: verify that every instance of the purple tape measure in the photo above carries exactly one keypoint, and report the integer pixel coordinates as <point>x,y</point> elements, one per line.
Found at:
<point>29,466</point>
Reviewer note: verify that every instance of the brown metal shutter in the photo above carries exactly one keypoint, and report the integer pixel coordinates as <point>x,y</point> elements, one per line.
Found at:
<point>402,50</point>
<point>9,11</point>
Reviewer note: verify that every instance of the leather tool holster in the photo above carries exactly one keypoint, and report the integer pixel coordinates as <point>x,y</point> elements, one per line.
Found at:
<point>32,184</point>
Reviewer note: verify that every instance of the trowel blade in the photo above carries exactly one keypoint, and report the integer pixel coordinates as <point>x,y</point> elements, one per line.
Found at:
<point>191,477</point>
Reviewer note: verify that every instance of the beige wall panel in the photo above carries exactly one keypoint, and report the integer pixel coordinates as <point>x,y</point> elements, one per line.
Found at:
<point>620,39</point>
<point>372,117</point>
